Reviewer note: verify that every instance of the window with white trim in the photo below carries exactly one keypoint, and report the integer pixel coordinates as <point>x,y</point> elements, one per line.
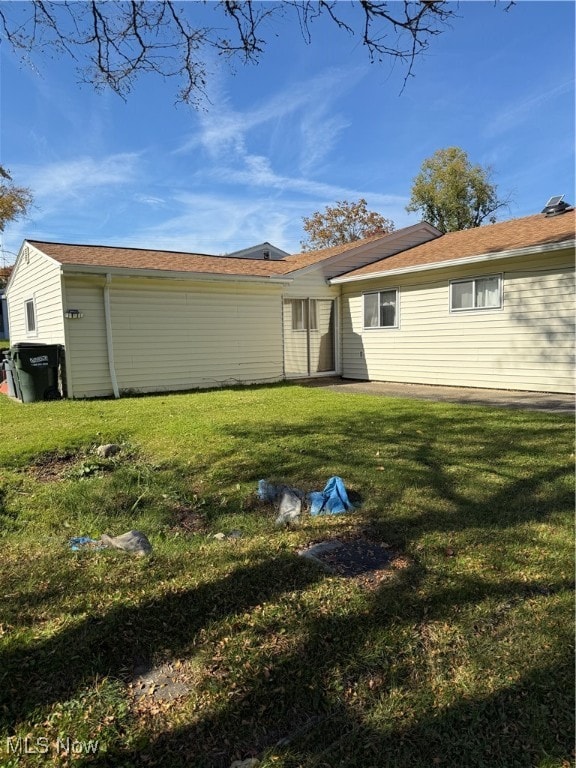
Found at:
<point>381,309</point>
<point>30,315</point>
<point>476,293</point>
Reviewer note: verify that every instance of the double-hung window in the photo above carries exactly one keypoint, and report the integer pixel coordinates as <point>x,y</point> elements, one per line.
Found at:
<point>30,316</point>
<point>476,293</point>
<point>381,309</point>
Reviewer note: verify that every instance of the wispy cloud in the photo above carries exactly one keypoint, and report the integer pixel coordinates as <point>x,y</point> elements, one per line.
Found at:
<point>522,110</point>
<point>75,178</point>
<point>223,129</point>
<point>71,196</point>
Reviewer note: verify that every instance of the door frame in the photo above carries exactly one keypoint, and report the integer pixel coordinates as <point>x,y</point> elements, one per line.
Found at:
<point>336,338</point>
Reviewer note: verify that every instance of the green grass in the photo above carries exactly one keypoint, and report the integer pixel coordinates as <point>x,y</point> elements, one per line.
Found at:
<point>462,658</point>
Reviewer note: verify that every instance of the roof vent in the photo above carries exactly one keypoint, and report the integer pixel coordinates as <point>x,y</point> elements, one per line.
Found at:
<point>266,254</point>
<point>556,205</point>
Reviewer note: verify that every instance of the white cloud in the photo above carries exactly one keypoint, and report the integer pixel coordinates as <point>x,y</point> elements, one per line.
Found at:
<point>74,178</point>
<point>520,111</point>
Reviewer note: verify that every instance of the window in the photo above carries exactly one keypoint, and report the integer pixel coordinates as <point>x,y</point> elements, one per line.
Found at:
<point>380,309</point>
<point>477,293</point>
<point>304,315</point>
<point>30,311</point>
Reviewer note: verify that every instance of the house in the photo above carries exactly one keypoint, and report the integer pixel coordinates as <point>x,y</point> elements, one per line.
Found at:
<point>261,251</point>
<point>489,307</point>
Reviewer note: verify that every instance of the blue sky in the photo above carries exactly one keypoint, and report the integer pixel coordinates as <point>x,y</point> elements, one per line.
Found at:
<point>308,126</point>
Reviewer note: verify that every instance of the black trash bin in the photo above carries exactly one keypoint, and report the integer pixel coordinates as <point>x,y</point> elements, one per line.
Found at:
<point>37,371</point>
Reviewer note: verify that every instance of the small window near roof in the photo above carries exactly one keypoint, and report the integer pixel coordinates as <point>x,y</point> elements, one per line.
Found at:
<point>381,309</point>
<point>476,293</point>
<point>30,312</point>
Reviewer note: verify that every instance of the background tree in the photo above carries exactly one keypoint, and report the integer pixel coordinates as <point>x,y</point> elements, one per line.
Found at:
<point>14,201</point>
<point>343,223</point>
<point>114,41</point>
<point>5,273</point>
<point>452,194</point>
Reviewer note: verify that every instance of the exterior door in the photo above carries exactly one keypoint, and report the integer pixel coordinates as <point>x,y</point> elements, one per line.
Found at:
<point>309,337</point>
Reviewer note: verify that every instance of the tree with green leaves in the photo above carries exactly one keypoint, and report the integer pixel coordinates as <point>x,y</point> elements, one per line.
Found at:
<point>14,201</point>
<point>452,194</point>
<point>343,223</point>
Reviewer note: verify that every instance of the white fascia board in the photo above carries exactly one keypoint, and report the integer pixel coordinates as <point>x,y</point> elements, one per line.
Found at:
<point>86,269</point>
<point>528,251</point>
<point>367,247</point>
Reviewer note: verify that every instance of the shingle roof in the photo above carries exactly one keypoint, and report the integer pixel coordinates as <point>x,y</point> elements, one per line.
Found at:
<point>532,231</point>
<point>168,261</point>
<point>176,261</point>
<point>528,232</point>
<point>308,258</point>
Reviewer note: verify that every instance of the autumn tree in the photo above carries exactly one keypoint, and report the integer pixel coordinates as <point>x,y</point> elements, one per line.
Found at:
<point>343,223</point>
<point>14,201</point>
<point>112,42</point>
<point>452,194</point>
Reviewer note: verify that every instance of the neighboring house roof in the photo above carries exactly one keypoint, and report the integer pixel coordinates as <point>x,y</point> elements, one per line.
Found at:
<point>261,251</point>
<point>532,233</point>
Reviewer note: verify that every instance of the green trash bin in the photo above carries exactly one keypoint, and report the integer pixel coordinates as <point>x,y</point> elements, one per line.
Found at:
<point>37,371</point>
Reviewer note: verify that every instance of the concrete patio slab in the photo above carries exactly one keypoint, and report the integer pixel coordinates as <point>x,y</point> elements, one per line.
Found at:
<point>534,401</point>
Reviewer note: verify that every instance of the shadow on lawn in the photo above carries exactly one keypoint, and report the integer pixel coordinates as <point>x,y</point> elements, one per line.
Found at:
<point>384,452</point>
<point>102,645</point>
<point>293,709</point>
<point>293,697</point>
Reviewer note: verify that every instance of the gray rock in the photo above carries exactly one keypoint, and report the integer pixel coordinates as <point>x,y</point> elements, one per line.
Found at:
<point>134,542</point>
<point>108,450</point>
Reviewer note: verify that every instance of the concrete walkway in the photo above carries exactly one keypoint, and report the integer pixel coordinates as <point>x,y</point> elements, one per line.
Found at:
<point>533,401</point>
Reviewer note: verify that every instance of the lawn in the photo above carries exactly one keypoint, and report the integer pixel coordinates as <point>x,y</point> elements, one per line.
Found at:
<point>216,649</point>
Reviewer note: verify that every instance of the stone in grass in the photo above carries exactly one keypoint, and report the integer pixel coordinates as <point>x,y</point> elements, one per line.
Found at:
<point>134,542</point>
<point>108,450</point>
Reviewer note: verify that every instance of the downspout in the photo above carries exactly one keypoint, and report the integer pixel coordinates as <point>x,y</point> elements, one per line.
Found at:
<point>109,341</point>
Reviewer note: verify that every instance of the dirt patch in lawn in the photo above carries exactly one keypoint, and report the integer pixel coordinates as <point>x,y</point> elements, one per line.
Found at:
<point>367,562</point>
<point>52,467</point>
<point>187,520</point>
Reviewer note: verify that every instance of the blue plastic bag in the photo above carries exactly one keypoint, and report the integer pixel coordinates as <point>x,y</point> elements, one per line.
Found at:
<point>333,500</point>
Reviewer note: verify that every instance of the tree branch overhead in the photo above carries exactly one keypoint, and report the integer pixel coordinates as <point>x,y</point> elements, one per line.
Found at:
<point>113,42</point>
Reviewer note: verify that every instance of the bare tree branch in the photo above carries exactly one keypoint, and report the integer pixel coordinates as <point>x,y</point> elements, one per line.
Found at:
<point>113,42</point>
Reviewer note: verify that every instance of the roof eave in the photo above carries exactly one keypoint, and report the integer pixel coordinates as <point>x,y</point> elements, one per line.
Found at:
<point>90,269</point>
<point>366,247</point>
<point>527,251</point>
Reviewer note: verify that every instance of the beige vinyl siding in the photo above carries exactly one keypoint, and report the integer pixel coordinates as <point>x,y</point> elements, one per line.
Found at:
<point>38,278</point>
<point>526,345</point>
<point>86,349</point>
<point>176,335</point>
<point>311,284</point>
